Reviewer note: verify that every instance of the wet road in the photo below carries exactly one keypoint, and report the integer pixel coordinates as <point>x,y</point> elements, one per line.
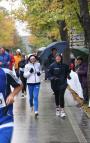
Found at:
<point>48,128</point>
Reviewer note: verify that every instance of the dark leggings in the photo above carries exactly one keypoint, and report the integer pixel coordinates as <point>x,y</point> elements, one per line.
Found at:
<point>23,81</point>
<point>59,97</point>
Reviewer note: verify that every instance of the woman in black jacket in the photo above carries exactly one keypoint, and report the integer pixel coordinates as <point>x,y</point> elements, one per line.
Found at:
<point>58,75</point>
<point>21,66</point>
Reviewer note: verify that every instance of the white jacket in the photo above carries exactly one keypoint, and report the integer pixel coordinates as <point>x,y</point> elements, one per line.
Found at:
<point>75,84</point>
<point>32,77</point>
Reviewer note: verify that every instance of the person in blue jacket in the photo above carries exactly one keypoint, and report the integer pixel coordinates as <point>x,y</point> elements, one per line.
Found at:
<point>4,58</point>
<point>7,79</point>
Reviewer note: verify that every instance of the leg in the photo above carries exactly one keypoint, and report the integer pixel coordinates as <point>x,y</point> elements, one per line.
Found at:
<point>61,93</point>
<point>57,103</point>
<point>17,72</point>
<point>22,79</point>
<point>24,84</point>
<point>57,98</point>
<point>31,88</point>
<point>6,135</point>
<point>85,94</point>
<point>61,97</point>
<point>36,94</point>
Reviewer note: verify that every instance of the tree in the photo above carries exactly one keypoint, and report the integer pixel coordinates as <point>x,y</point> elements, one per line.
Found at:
<point>84,13</point>
<point>7,29</point>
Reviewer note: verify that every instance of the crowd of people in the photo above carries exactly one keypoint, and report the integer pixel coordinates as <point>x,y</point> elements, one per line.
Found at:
<point>20,72</point>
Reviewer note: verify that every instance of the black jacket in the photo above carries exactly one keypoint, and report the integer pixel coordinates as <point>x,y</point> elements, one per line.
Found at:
<point>58,73</point>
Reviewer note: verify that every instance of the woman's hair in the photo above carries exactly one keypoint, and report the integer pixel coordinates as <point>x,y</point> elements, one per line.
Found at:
<point>31,57</point>
<point>79,58</point>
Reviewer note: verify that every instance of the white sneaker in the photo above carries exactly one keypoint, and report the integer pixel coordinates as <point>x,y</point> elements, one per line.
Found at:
<point>36,114</point>
<point>62,114</point>
<point>57,112</point>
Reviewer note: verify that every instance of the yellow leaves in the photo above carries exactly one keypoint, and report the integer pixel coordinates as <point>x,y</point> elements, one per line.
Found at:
<point>55,5</point>
<point>38,42</point>
<point>32,39</point>
<point>7,30</point>
<point>54,33</point>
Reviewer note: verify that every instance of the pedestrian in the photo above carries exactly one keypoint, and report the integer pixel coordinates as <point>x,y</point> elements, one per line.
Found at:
<point>17,58</point>
<point>32,72</point>
<point>81,69</point>
<point>4,58</point>
<point>12,60</point>
<point>7,79</point>
<point>75,86</point>
<point>49,61</point>
<point>58,75</point>
<point>22,64</point>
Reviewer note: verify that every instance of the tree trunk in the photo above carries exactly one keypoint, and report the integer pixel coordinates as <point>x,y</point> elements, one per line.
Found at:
<point>64,37</point>
<point>84,12</point>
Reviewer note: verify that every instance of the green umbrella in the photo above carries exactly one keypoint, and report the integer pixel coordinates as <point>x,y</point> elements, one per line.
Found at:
<point>80,52</point>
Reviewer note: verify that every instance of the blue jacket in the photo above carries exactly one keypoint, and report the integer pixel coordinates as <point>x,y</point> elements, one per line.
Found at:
<point>5,59</point>
<point>6,79</point>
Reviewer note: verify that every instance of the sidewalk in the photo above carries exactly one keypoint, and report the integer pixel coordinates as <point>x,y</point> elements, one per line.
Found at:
<point>85,107</point>
<point>48,128</point>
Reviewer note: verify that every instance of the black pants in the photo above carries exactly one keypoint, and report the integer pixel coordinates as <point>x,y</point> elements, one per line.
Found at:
<point>23,81</point>
<point>17,72</point>
<point>59,97</point>
<point>85,94</point>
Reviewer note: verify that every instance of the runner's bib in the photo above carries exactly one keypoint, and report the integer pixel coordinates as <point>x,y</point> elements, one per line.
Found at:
<point>2,101</point>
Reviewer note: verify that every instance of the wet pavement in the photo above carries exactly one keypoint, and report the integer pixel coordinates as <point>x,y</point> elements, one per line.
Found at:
<point>48,128</point>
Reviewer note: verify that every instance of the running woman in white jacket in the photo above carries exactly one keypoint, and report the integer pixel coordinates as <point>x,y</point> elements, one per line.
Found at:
<point>32,72</point>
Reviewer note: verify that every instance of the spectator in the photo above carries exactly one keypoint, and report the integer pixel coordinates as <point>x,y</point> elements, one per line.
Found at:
<point>81,69</point>
<point>12,60</point>
<point>4,58</point>
<point>49,61</point>
<point>22,64</point>
<point>75,86</point>
<point>17,58</point>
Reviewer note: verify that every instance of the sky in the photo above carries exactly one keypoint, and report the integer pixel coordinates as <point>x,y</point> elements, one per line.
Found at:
<point>20,26</point>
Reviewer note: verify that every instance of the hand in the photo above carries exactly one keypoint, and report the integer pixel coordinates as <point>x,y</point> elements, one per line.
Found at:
<point>31,70</point>
<point>10,99</point>
<point>38,73</point>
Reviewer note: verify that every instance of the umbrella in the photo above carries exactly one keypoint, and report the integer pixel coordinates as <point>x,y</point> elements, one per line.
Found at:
<point>60,46</point>
<point>80,51</point>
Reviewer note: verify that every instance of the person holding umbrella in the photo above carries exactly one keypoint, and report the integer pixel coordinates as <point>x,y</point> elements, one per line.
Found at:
<point>58,75</point>
<point>49,61</point>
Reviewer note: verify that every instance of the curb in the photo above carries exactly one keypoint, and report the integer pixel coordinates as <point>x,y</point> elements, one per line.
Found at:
<point>86,109</point>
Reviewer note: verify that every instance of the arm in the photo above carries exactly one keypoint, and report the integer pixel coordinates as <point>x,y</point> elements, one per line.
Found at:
<point>39,70</point>
<point>50,73</point>
<point>26,71</point>
<point>10,98</point>
<point>13,81</point>
<point>68,72</point>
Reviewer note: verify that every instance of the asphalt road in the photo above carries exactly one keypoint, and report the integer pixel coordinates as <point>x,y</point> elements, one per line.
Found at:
<point>48,128</point>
